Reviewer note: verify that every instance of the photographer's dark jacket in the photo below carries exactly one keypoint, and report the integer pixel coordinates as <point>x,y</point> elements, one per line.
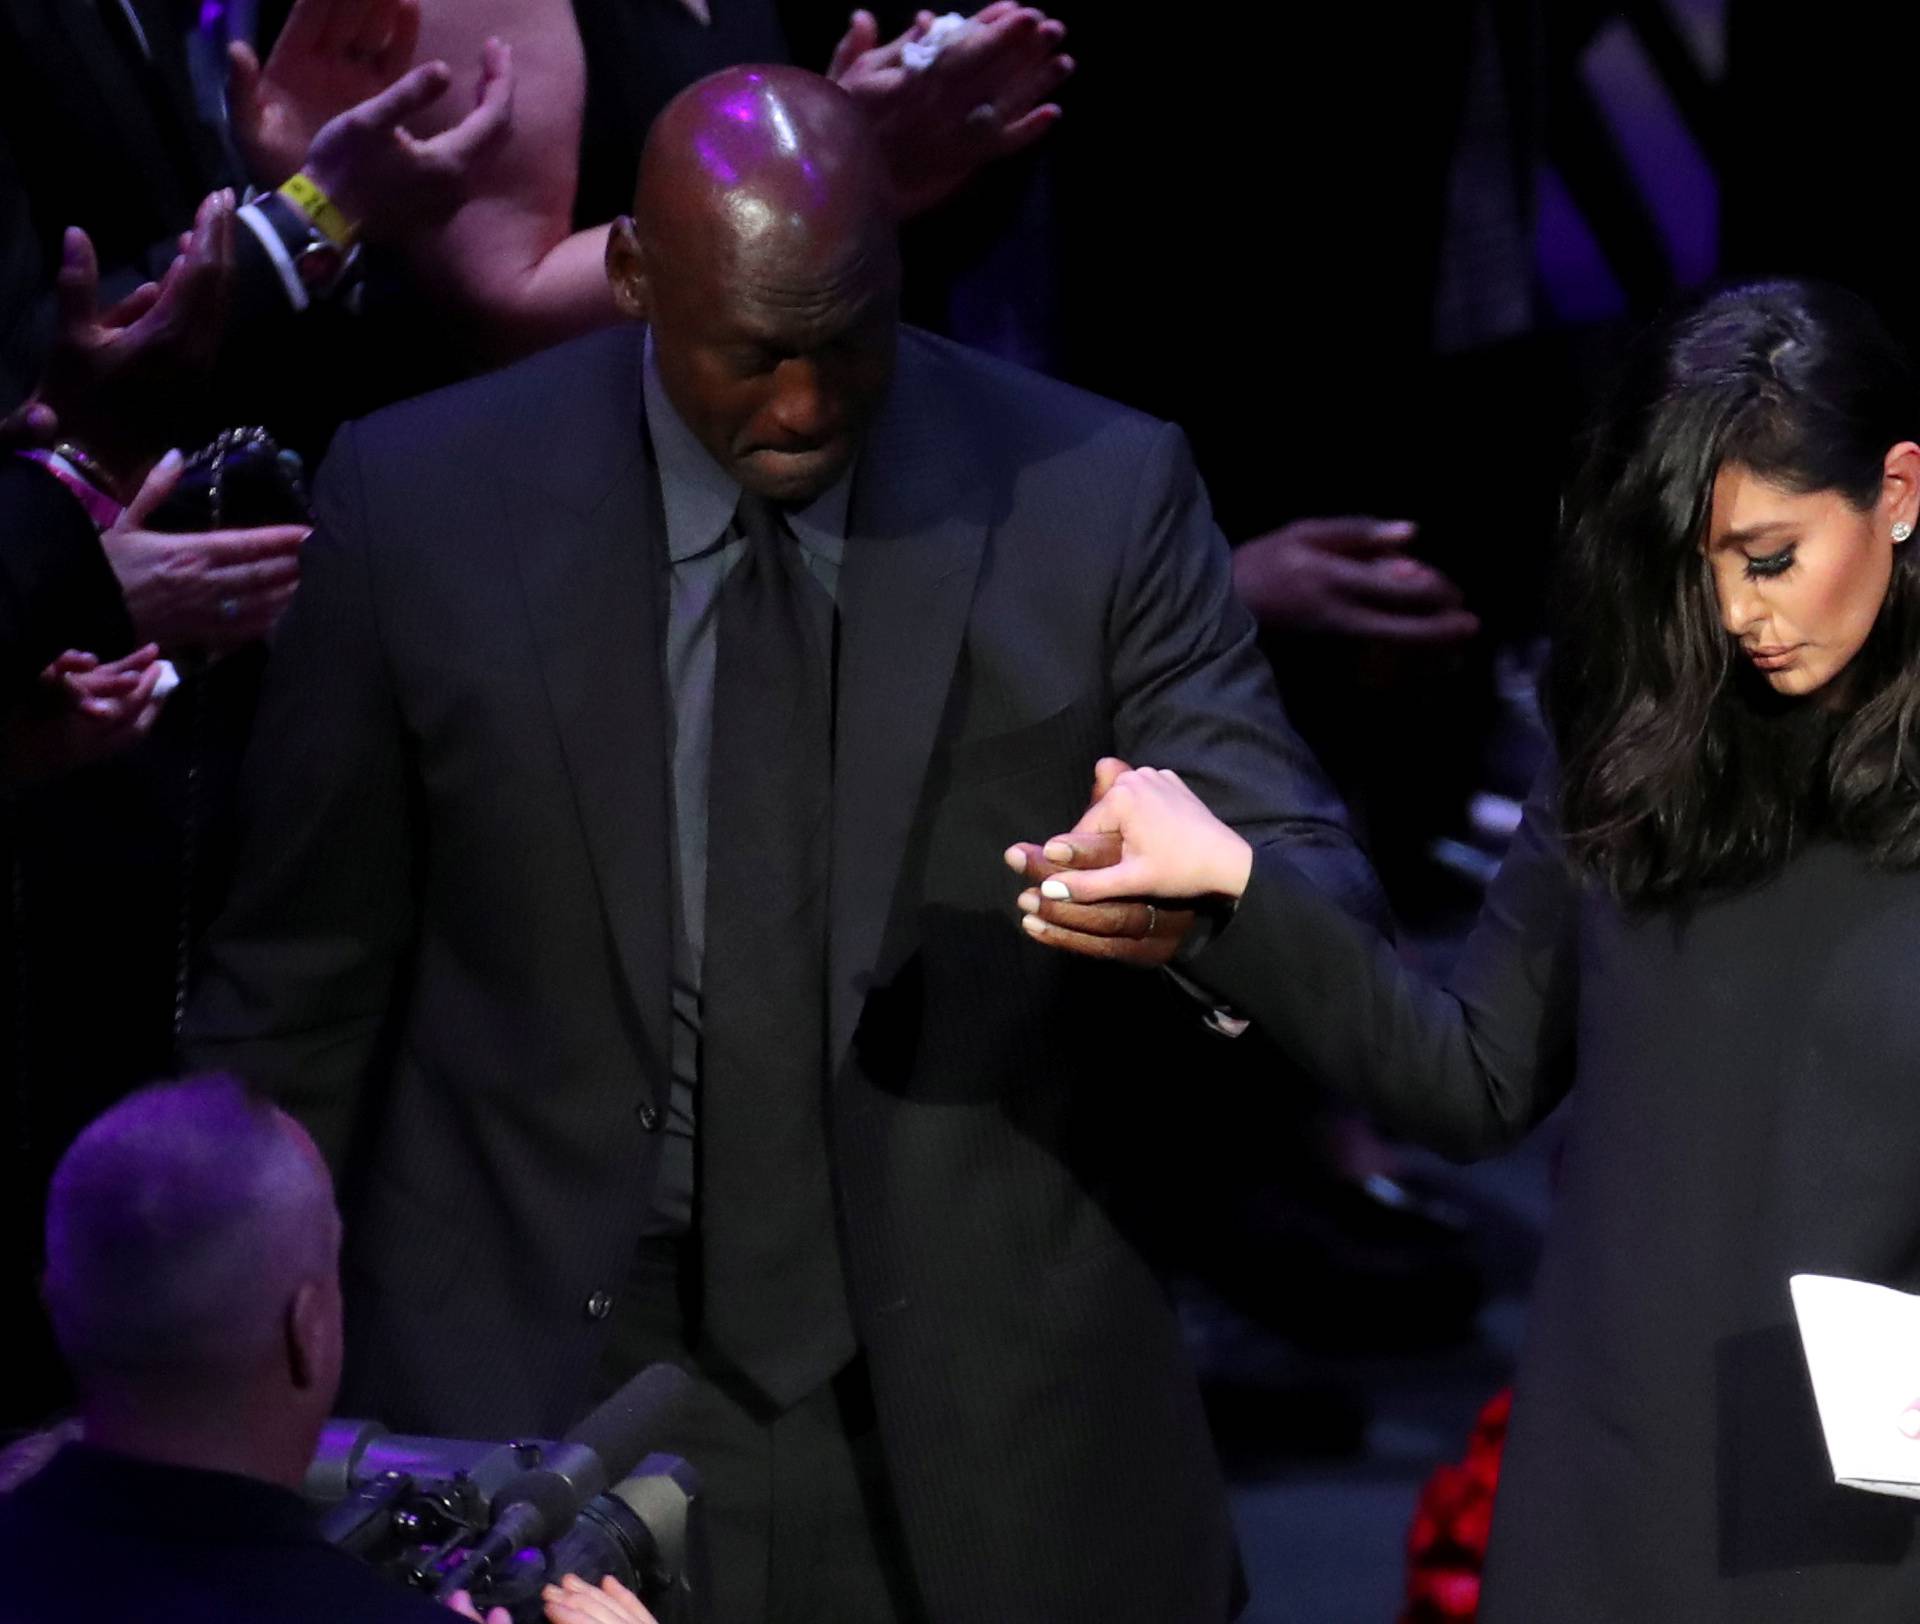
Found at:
<point>97,1538</point>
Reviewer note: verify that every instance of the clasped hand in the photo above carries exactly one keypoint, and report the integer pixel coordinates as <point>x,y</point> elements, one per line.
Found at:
<point>1122,883</point>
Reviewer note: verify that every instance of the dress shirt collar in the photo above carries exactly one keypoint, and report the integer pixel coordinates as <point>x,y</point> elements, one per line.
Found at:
<point>699,496</point>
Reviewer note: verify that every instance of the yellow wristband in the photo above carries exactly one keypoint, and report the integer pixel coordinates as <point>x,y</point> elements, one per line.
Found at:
<point>300,190</point>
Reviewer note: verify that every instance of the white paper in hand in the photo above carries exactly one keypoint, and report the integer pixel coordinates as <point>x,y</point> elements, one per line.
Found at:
<point>1863,1352</point>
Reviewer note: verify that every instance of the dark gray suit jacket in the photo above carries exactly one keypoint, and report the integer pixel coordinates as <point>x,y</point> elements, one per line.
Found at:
<point>448,946</point>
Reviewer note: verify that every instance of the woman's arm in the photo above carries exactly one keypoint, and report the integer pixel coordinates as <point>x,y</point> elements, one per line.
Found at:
<point>1467,1068</point>
<point>509,263</point>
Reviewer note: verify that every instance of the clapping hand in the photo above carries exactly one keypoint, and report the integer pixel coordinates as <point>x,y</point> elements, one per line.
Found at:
<point>119,379</point>
<point>331,56</point>
<point>1350,577</point>
<point>333,100</point>
<point>214,590</point>
<point>82,711</point>
<point>985,96</point>
<point>1119,884</point>
<point>387,181</point>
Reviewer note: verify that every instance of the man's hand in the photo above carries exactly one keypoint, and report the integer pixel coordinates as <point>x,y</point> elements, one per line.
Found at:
<point>1350,577</point>
<point>330,56</point>
<point>462,1603</point>
<point>1126,930</point>
<point>82,712</point>
<point>1156,842</point>
<point>119,380</point>
<point>574,1601</point>
<point>387,181</point>
<point>985,96</point>
<point>215,589</point>
<point>571,1601</point>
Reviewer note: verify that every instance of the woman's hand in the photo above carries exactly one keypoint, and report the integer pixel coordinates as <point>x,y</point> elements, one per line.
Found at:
<point>82,711</point>
<point>1170,845</point>
<point>216,590</point>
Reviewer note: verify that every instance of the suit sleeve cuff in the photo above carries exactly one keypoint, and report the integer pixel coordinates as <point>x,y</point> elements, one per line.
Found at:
<point>277,255</point>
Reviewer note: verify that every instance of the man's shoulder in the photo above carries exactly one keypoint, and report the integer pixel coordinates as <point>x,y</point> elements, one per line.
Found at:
<point>1024,409</point>
<point>530,409</point>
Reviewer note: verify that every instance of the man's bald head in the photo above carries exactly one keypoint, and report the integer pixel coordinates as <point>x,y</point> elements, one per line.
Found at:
<point>762,252</point>
<point>185,1228</point>
<point>771,165</point>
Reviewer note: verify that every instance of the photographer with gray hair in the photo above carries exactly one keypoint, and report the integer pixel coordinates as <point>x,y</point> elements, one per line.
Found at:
<point>193,1282</point>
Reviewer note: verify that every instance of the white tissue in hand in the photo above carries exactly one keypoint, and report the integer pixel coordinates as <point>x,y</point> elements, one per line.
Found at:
<point>169,679</point>
<point>919,53</point>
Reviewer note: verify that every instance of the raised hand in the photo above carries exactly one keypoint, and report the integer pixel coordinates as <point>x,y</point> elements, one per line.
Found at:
<point>331,56</point>
<point>388,181</point>
<point>1350,577</point>
<point>121,381</point>
<point>215,590</point>
<point>986,95</point>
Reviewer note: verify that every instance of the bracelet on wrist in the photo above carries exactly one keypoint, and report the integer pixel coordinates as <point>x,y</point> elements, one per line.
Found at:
<point>310,198</point>
<point>66,462</point>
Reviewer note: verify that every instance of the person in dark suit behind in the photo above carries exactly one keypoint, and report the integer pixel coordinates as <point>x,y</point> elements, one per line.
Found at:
<point>623,905</point>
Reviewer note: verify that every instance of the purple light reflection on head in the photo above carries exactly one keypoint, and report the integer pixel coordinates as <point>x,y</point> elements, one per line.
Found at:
<point>712,161</point>
<point>213,16</point>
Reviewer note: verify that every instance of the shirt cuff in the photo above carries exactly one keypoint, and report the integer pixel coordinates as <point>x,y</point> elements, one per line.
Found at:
<point>1219,1018</point>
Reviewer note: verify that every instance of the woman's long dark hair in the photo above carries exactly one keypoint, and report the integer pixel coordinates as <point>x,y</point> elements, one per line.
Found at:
<point>1681,772</point>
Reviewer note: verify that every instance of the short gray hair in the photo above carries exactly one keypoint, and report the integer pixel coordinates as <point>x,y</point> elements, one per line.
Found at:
<point>179,1227</point>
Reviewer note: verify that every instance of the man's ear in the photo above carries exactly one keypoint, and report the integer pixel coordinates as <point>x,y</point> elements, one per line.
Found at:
<point>307,1330</point>
<point>627,269</point>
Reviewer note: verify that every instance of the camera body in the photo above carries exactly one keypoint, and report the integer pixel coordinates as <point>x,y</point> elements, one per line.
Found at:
<point>416,1508</point>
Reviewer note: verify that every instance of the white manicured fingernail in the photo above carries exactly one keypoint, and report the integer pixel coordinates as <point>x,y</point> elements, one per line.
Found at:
<point>1058,851</point>
<point>1016,859</point>
<point>1032,924</point>
<point>1029,901</point>
<point>1055,891</point>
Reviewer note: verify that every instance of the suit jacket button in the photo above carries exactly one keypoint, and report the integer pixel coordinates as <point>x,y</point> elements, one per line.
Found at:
<point>649,1117</point>
<point>599,1305</point>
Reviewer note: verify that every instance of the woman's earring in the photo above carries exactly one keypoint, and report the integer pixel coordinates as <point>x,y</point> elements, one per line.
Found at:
<point>1902,530</point>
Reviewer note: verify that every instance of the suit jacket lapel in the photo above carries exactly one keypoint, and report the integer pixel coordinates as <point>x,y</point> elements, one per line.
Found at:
<point>583,500</point>
<point>916,533</point>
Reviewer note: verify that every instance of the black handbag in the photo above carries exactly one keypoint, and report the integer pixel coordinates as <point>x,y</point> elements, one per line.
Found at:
<point>240,480</point>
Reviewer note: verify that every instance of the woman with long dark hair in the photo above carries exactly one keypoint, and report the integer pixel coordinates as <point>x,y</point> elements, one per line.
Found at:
<point>1709,925</point>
